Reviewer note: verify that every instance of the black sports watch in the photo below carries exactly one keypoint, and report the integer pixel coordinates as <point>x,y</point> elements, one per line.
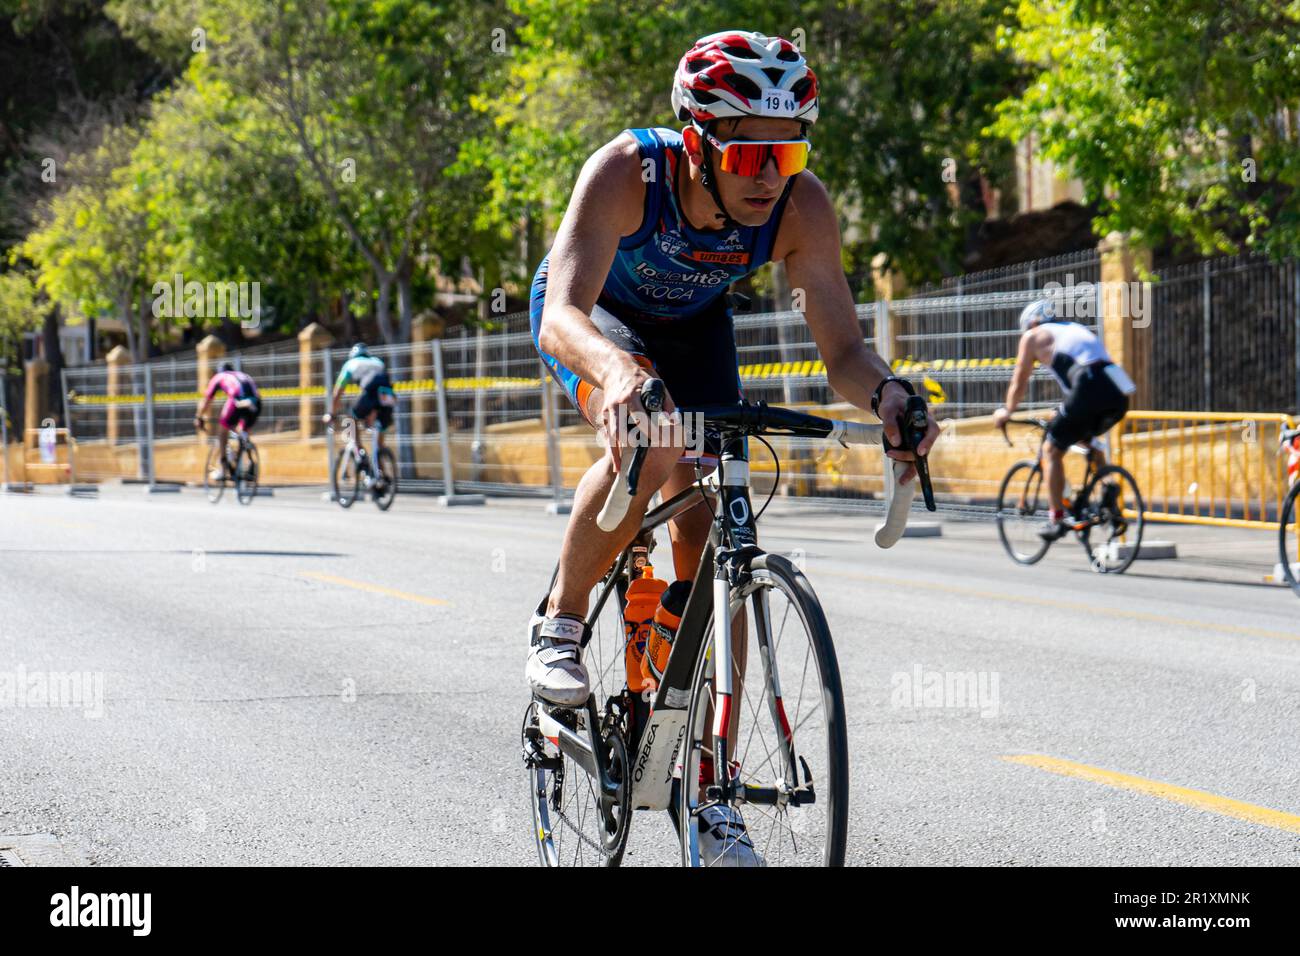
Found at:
<point>875,396</point>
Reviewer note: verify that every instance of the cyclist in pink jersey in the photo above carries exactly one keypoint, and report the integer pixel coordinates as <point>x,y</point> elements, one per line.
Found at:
<point>243,406</point>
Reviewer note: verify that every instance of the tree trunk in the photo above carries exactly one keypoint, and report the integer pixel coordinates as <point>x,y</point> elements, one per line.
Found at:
<point>533,250</point>
<point>384,307</point>
<point>124,313</point>
<point>147,349</point>
<point>404,293</point>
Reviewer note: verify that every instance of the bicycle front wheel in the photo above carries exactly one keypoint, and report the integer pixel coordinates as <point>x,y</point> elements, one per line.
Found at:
<point>1022,511</point>
<point>788,752</point>
<point>214,488</point>
<point>1112,507</point>
<point>385,488</point>
<point>246,473</point>
<point>346,478</point>
<point>1288,539</point>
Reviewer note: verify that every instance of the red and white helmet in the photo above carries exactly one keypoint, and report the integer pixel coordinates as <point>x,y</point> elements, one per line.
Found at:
<point>735,73</point>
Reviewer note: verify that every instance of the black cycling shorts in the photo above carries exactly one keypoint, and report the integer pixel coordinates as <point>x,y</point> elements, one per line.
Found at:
<point>696,357</point>
<point>376,395</point>
<point>1094,406</point>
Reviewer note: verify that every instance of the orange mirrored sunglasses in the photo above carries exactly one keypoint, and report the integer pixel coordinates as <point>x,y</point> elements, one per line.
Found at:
<point>747,157</point>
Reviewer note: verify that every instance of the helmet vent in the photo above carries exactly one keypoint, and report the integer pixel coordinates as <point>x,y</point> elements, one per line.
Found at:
<point>774,73</point>
<point>744,86</point>
<point>743,52</point>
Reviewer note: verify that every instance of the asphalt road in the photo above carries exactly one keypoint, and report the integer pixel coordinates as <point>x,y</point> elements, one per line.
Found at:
<point>289,683</point>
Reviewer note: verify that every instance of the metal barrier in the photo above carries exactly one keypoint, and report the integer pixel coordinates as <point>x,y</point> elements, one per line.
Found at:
<point>1206,468</point>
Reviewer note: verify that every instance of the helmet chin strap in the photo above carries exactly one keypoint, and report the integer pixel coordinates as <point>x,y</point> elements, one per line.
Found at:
<point>709,183</point>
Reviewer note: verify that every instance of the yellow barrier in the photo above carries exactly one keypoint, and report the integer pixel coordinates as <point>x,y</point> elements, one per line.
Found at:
<point>1206,468</point>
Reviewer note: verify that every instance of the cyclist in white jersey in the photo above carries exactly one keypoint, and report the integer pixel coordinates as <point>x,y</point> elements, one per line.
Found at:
<point>1096,395</point>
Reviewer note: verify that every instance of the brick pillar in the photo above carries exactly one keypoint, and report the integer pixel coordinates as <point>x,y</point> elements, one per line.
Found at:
<point>115,360</point>
<point>210,352</point>
<point>1125,333</point>
<point>424,329</point>
<point>311,340</point>
<point>889,285</point>
<point>36,405</point>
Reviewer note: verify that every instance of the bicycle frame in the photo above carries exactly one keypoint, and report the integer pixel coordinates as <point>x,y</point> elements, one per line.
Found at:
<point>732,546</point>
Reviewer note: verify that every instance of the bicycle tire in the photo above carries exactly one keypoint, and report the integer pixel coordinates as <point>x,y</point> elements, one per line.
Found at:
<point>566,830</point>
<point>771,574</point>
<point>346,489</point>
<point>1287,544</point>
<point>246,473</point>
<point>213,489</point>
<point>1029,512</point>
<point>387,466</point>
<point>1122,527</point>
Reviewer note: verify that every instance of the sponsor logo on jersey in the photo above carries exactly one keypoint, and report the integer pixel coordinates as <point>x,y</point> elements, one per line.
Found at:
<point>671,243</point>
<point>725,258</point>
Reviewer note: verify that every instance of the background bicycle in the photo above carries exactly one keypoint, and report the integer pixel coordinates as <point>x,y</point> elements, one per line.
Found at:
<point>218,471</point>
<point>354,470</point>
<point>1106,513</point>
<point>1288,531</point>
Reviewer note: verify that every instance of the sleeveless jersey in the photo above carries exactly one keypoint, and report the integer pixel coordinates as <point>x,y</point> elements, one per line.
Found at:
<point>667,269</point>
<point>1073,345</point>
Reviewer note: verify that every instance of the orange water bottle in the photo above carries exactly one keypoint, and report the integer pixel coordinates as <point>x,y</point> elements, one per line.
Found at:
<point>642,600</point>
<point>668,615</point>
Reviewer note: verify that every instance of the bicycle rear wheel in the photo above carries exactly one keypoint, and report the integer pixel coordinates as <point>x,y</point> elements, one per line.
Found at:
<point>1288,539</point>
<point>346,478</point>
<point>214,488</point>
<point>1022,511</point>
<point>385,487</point>
<point>788,743</point>
<point>246,473</point>
<point>574,824</point>
<point>1112,507</point>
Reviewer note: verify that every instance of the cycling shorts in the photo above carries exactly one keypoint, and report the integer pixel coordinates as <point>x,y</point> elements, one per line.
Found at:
<point>1093,407</point>
<point>232,416</point>
<point>376,396</point>
<point>696,357</point>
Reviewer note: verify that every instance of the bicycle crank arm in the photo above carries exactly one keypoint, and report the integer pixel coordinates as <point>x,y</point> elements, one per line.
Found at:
<point>576,748</point>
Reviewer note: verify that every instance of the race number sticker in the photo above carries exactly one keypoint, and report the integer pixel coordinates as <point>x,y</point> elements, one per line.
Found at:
<point>777,103</point>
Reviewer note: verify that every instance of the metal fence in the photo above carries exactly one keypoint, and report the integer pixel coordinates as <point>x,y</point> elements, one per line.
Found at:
<point>1223,336</point>
<point>477,412</point>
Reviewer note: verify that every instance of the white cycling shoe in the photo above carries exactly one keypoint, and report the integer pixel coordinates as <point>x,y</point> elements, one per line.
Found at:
<point>724,841</point>
<point>555,670</point>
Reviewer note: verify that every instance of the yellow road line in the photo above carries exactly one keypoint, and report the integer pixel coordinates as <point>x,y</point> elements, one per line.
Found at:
<point>1197,799</point>
<point>374,588</point>
<point>1088,609</point>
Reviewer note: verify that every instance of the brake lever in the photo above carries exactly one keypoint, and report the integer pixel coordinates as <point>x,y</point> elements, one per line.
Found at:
<point>652,399</point>
<point>913,423</point>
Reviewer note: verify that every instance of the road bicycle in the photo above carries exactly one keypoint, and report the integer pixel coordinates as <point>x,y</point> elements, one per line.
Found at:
<point>245,471</point>
<point>1105,516</point>
<point>1288,529</point>
<point>749,712</point>
<point>354,470</point>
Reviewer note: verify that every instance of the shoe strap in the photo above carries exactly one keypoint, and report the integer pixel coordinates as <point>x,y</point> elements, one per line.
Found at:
<point>562,634</point>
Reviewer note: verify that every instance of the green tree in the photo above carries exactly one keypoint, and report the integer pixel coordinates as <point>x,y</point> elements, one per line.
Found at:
<point>908,87</point>
<point>1180,118</point>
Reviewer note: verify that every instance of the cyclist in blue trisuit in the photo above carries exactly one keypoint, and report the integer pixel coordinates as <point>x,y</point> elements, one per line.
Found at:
<point>660,224</point>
